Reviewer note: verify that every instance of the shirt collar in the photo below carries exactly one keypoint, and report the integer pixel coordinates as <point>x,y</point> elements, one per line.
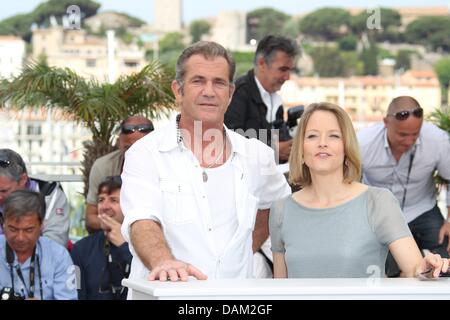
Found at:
<point>32,185</point>
<point>168,139</point>
<point>264,93</point>
<point>386,142</point>
<point>271,100</point>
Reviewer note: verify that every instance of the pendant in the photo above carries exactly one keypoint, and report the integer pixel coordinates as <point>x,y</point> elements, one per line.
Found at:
<point>205,176</point>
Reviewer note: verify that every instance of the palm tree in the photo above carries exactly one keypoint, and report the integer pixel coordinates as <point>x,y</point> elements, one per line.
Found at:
<point>98,106</point>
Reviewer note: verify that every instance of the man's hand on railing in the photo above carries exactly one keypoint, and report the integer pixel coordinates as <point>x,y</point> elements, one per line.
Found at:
<point>175,270</point>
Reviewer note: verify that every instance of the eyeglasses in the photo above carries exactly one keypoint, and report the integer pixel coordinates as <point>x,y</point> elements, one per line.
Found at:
<point>4,163</point>
<point>131,128</point>
<point>404,114</point>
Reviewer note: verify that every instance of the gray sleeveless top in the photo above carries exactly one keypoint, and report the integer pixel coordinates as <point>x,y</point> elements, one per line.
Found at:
<point>347,241</point>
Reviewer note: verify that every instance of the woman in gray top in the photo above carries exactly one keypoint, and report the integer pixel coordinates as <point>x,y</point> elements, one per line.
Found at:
<point>335,226</point>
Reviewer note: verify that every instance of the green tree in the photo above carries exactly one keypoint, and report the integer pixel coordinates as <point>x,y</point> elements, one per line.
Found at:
<point>173,41</point>
<point>442,68</point>
<point>348,43</point>
<point>58,8</point>
<point>431,31</point>
<point>20,25</point>
<point>264,21</point>
<point>291,28</point>
<point>403,59</point>
<point>369,57</point>
<point>244,62</point>
<point>383,53</point>
<point>123,34</point>
<point>328,62</point>
<point>326,23</point>
<point>352,64</point>
<point>198,28</point>
<point>98,106</point>
<point>441,40</point>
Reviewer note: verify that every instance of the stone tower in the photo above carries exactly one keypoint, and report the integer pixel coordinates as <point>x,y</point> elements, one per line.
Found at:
<point>168,15</point>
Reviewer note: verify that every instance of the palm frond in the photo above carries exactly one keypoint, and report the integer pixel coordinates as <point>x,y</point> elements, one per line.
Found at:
<point>147,91</point>
<point>99,106</point>
<point>441,117</point>
<point>40,85</point>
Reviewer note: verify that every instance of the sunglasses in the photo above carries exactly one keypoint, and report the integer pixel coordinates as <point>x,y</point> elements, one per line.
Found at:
<point>132,128</point>
<point>4,163</point>
<point>404,114</point>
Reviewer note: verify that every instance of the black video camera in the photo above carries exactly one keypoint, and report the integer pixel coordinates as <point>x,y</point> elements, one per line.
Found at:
<point>284,127</point>
<point>8,293</point>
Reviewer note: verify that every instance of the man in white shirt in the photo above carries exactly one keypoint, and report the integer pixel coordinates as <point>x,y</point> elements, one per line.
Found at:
<point>195,195</point>
<point>256,106</point>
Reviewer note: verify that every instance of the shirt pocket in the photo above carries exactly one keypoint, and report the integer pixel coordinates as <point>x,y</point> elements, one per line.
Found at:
<point>250,209</point>
<point>179,201</point>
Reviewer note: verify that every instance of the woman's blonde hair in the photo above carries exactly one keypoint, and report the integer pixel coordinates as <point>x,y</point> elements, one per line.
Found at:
<point>299,173</point>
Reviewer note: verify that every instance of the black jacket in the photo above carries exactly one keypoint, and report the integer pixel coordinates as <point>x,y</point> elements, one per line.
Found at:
<point>89,255</point>
<point>247,109</point>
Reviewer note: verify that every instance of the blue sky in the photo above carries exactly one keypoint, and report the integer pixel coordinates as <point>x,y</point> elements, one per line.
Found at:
<point>195,9</point>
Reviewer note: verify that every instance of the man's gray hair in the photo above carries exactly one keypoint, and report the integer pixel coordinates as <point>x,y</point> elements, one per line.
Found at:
<point>12,165</point>
<point>21,203</point>
<point>209,50</point>
<point>271,44</point>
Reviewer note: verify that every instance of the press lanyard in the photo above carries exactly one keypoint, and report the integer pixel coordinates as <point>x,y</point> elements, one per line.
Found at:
<point>19,273</point>
<point>109,266</point>
<point>30,292</point>
<point>411,159</point>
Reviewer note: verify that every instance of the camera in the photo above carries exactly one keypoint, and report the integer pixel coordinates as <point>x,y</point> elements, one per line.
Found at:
<point>8,293</point>
<point>287,128</point>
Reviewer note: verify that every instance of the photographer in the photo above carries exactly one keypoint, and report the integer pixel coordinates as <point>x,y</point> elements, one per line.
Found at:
<point>14,176</point>
<point>256,105</point>
<point>103,257</point>
<point>32,266</point>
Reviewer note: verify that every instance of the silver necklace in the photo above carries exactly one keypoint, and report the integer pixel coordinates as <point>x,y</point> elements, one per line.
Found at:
<point>180,141</point>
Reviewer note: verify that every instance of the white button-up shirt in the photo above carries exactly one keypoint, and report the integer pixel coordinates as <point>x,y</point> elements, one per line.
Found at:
<point>272,101</point>
<point>162,181</point>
